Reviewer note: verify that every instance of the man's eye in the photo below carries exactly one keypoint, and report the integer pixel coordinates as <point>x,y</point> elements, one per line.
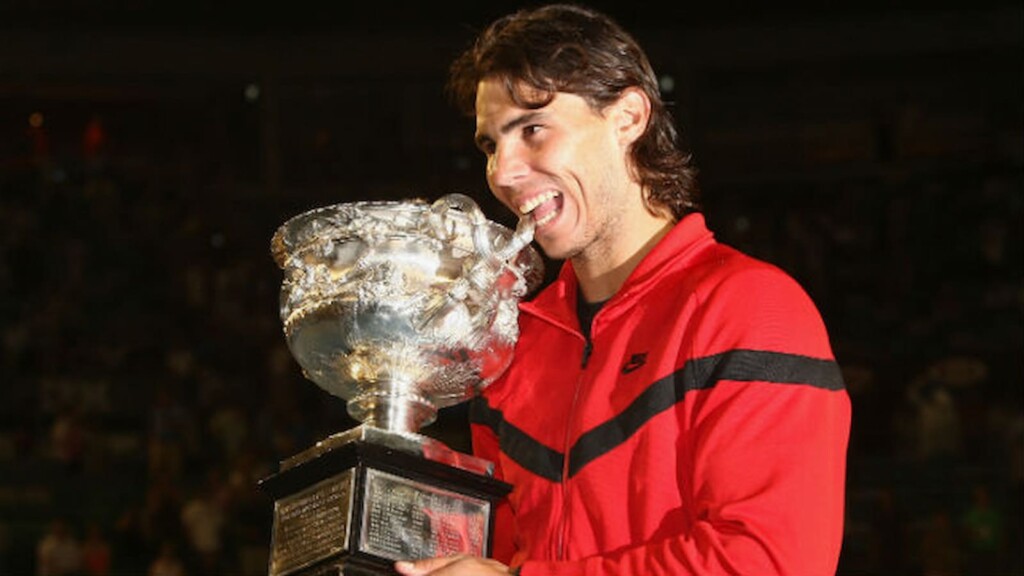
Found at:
<point>531,129</point>
<point>487,147</point>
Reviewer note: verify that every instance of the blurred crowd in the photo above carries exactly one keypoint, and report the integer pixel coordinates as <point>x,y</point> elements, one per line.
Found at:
<point>148,388</point>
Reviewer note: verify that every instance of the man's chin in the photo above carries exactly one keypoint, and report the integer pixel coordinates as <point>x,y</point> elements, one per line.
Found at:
<point>555,252</point>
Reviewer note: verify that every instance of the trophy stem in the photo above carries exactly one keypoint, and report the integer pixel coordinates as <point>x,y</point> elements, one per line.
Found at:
<point>390,408</point>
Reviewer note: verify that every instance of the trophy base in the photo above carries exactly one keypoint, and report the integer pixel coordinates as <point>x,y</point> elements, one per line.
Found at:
<point>356,502</point>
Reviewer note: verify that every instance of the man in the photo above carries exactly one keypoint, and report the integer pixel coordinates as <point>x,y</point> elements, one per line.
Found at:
<point>674,406</point>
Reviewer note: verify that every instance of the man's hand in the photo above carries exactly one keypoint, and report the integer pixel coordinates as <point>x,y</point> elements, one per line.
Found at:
<point>453,566</point>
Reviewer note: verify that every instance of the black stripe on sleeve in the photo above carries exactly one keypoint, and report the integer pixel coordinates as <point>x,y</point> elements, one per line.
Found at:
<point>774,367</point>
<point>738,365</point>
<point>516,444</point>
<point>661,395</point>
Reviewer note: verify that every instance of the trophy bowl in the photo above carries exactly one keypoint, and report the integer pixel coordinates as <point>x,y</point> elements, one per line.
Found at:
<point>402,308</point>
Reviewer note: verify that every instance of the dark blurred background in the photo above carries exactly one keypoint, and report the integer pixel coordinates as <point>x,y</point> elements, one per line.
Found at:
<point>149,150</point>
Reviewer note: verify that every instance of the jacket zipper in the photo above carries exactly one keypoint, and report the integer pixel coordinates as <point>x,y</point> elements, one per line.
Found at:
<point>588,347</point>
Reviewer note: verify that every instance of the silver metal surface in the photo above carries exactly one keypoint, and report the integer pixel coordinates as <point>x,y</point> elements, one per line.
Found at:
<point>408,442</point>
<point>401,308</point>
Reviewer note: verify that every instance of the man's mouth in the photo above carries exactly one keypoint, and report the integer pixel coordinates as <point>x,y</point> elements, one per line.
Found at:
<point>542,207</point>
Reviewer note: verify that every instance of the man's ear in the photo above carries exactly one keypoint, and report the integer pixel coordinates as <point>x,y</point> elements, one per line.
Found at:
<point>631,113</point>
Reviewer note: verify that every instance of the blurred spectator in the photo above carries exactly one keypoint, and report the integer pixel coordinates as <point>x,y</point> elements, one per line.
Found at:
<point>228,424</point>
<point>203,520</point>
<point>1015,446</point>
<point>58,553</point>
<point>983,533</point>
<point>132,549</point>
<point>160,519</point>
<point>286,428</point>
<point>887,532</point>
<point>94,138</point>
<point>938,420</point>
<point>250,520</point>
<point>167,562</point>
<point>5,549</point>
<point>940,549</point>
<point>68,437</point>
<point>168,436</point>
<point>96,559</point>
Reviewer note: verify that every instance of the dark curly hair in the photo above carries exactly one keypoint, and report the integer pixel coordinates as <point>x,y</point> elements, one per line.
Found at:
<point>572,49</point>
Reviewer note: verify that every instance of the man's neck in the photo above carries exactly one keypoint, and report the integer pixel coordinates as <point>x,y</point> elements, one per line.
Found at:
<point>600,276</point>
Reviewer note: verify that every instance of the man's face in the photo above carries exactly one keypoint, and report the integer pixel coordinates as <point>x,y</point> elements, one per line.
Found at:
<point>564,165</point>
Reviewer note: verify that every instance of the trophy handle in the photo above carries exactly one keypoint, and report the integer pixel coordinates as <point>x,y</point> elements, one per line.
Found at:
<point>478,279</point>
<point>437,219</point>
<point>481,242</point>
<point>519,240</point>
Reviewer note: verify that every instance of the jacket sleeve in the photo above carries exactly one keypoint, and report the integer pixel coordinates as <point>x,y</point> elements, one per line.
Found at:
<point>764,427</point>
<point>486,446</point>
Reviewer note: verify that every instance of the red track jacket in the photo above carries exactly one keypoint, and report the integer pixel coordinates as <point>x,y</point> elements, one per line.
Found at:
<point>703,430</point>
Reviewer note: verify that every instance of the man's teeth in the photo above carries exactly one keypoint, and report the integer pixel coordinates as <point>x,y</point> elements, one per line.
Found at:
<point>532,203</point>
<point>547,218</point>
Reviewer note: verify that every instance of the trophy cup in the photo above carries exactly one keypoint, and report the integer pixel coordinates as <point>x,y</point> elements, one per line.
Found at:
<point>399,308</point>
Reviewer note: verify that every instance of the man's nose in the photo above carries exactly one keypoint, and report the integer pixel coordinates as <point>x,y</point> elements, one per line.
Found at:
<point>506,166</point>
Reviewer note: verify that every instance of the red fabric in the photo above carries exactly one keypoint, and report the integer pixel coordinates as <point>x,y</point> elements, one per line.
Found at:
<point>742,475</point>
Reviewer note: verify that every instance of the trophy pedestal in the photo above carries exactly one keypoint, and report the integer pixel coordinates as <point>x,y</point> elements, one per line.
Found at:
<point>358,501</point>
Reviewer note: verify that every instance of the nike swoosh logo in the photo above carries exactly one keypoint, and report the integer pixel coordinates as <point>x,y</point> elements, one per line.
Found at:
<point>634,363</point>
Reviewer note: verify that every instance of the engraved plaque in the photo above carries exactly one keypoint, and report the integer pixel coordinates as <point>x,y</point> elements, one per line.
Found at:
<point>311,525</point>
<point>407,519</point>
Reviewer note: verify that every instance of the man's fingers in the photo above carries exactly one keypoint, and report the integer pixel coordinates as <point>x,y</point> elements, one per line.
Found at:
<point>423,567</point>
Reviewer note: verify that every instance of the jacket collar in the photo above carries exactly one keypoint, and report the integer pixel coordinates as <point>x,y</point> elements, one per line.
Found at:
<point>557,302</point>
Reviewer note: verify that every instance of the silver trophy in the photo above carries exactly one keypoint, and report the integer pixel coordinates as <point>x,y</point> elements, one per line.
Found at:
<point>399,308</point>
